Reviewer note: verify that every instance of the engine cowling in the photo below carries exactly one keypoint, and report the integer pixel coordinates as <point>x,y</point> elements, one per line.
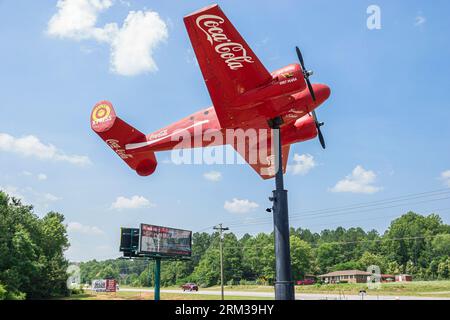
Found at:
<point>305,128</point>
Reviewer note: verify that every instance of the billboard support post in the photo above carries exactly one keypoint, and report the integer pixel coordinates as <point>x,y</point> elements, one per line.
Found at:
<point>284,286</point>
<point>157,279</point>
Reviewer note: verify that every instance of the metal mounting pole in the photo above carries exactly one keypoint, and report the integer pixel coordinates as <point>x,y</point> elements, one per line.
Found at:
<point>284,286</point>
<point>221,229</point>
<point>157,279</point>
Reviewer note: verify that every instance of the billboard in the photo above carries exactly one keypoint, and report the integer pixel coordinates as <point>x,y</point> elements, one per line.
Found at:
<point>163,241</point>
<point>104,285</point>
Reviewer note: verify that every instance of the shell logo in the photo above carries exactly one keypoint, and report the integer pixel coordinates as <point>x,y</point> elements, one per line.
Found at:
<point>101,113</point>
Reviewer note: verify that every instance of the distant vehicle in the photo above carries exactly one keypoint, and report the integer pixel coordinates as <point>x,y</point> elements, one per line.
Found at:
<point>306,282</point>
<point>189,287</point>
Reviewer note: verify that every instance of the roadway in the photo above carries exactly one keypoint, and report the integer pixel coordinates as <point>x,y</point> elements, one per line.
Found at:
<point>298,296</point>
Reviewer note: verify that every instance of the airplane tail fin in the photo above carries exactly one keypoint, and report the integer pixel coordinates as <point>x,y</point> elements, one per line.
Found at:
<point>117,133</point>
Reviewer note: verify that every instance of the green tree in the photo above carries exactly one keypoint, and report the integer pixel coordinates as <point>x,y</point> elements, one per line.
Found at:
<point>301,256</point>
<point>441,245</point>
<point>327,255</point>
<point>409,238</point>
<point>368,259</point>
<point>32,262</point>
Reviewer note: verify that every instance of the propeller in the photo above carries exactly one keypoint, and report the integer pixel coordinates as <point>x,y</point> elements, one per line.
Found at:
<point>306,75</point>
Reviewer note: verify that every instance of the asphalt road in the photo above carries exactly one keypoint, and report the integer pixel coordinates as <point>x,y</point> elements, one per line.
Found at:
<point>301,296</point>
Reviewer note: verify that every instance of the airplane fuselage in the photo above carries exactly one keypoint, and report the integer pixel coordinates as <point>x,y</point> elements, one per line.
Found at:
<point>286,96</point>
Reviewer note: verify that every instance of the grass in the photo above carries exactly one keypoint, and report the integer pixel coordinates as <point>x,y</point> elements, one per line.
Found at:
<point>417,288</point>
<point>414,288</point>
<point>149,296</point>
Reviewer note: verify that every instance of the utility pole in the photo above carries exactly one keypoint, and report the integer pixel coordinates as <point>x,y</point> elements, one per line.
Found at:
<point>284,286</point>
<point>221,230</point>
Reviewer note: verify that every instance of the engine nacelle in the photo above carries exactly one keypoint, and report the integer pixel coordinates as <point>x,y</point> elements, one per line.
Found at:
<point>305,129</point>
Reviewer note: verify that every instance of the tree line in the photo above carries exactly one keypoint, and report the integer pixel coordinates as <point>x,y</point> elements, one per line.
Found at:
<point>413,244</point>
<point>33,266</point>
<point>32,263</point>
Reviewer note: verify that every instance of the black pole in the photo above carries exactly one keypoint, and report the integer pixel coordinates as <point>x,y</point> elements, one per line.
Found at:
<point>284,286</point>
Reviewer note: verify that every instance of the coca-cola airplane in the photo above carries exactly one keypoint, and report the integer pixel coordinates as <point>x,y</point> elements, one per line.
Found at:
<point>245,98</point>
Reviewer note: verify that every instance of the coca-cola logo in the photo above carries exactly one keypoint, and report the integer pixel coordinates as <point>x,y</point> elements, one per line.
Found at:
<point>234,54</point>
<point>114,144</point>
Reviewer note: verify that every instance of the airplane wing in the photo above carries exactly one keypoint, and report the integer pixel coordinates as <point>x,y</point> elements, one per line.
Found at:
<point>228,64</point>
<point>261,158</point>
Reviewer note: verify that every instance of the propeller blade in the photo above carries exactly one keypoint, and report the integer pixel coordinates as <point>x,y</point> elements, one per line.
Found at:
<point>315,117</point>
<point>311,90</point>
<point>306,75</point>
<point>300,57</point>
<point>321,139</point>
<point>319,131</point>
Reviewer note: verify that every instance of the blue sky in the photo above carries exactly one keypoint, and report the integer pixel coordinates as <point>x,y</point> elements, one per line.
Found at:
<point>386,120</point>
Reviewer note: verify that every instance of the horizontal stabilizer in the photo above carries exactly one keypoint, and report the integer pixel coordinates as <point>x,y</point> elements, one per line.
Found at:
<point>117,134</point>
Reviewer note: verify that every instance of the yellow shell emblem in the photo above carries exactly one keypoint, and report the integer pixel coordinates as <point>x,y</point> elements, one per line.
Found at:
<point>101,112</point>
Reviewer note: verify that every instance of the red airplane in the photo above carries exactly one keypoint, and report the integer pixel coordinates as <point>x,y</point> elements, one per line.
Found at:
<point>244,95</point>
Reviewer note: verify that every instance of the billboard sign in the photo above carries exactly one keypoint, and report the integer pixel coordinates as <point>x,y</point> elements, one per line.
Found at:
<point>104,285</point>
<point>165,242</point>
<point>111,285</point>
<point>99,285</point>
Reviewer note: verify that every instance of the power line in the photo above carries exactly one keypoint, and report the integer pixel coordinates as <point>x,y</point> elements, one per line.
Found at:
<point>345,221</point>
<point>339,242</point>
<point>263,221</point>
<point>343,210</point>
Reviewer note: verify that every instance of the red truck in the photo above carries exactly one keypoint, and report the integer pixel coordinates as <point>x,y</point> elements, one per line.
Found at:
<point>189,287</point>
<point>306,282</point>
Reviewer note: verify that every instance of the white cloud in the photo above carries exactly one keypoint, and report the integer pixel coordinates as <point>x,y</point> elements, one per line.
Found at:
<point>302,164</point>
<point>132,45</point>
<point>30,196</point>
<point>240,206</point>
<point>213,176</point>
<point>132,48</point>
<point>135,202</point>
<point>360,181</point>
<point>31,146</point>
<point>76,227</point>
<point>445,177</point>
<point>76,19</point>
<point>42,176</point>
<point>420,20</point>
<point>48,197</point>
